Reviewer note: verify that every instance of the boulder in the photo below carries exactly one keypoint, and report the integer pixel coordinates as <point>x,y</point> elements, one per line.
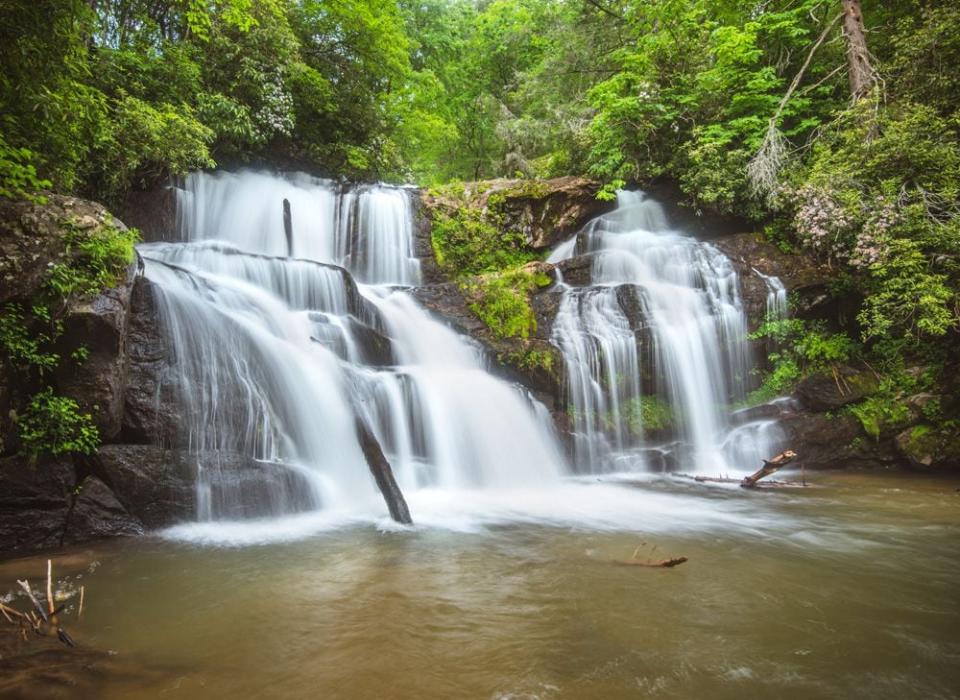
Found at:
<point>822,442</point>
<point>828,392</point>
<point>153,484</point>
<point>98,514</point>
<point>577,271</point>
<point>34,502</point>
<point>33,238</point>
<point>924,447</point>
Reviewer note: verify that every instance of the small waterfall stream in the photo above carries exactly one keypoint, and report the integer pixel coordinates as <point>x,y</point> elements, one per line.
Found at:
<point>660,333</point>
<point>275,355</point>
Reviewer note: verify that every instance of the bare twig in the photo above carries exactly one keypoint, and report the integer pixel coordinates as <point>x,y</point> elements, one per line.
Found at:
<point>25,585</point>
<point>49,587</point>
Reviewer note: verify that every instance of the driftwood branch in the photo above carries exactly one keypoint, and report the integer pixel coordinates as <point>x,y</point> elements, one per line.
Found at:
<point>769,467</point>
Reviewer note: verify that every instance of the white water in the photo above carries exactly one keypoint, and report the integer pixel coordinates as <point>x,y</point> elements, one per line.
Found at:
<point>776,296</point>
<point>275,356</point>
<point>367,230</point>
<point>690,331</point>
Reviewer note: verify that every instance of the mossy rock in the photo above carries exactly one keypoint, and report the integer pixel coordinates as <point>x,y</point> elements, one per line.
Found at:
<point>926,447</point>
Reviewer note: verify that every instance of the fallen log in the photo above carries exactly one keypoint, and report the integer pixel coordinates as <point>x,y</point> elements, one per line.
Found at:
<point>288,227</point>
<point>382,473</point>
<point>662,564</point>
<point>769,467</point>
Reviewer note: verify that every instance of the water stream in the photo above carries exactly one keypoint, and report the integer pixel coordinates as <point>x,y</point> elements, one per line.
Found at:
<point>660,330</point>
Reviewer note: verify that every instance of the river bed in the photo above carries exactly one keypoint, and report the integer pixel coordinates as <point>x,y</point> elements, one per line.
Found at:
<point>846,590</point>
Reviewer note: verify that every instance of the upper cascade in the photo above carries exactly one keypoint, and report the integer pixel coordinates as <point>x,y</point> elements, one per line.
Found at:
<point>367,229</point>
<point>684,347</point>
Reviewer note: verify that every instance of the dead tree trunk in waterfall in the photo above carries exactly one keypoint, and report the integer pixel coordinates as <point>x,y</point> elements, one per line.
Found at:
<point>861,73</point>
<point>382,473</point>
<point>288,227</point>
<point>768,468</point>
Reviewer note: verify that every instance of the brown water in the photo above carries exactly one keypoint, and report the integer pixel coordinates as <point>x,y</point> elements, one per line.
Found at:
<point>851,590</point>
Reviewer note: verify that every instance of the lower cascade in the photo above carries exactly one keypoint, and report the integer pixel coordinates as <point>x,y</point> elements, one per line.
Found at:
<point>278,357</point>
<point>655,347</point>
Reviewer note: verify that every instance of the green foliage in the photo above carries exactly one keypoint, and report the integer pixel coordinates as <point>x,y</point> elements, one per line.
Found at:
<point>95,258</point>
<point>647,413</point>
<point>52,424</point>
<point>23,348</point>
<point>502,301</point>
<point>147,142</point>
<point>803,348</point>
<point>18,175</point>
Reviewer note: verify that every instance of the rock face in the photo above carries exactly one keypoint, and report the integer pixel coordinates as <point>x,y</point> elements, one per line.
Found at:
<point>32,241</point>
<point>153,212</point>
<point>45,505</point>
<point>803,277</point>
<point>828,392</point>
<point>149,409</point>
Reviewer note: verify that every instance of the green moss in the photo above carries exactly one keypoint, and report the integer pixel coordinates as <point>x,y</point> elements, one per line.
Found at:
<point>466,241</point>
<point>531,359</point>
<point>882,414</point>
<point>502,301</point>
<point>469,233</point>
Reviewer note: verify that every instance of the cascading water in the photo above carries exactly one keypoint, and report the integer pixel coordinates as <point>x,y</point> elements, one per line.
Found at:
<point>776,296</point>
<point>661,324</point>
<point>368,229</point>
<point>276,355</point>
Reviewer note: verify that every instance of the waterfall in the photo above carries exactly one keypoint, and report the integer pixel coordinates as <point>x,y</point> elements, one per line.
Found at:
<point>274,355</point>
<point>776,296</point>
<point>367,230</point>
<point>660,334</point>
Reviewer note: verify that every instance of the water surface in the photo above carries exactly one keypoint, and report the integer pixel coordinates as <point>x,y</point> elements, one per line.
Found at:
<point>845,591</point>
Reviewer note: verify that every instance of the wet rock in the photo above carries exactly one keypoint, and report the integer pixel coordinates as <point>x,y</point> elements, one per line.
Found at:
<point>98,382</point>
<point>153,212</point>
<point>34,502</point>
<point>926,448</point>
<point>823,442</point>
<point>375,348</point>
<point>150,415</point>
<point>98,514</point>
<point>828,392</point>
<point>155,485</point>
<point>805,278</point>
<point>577,271</point>
<point>158,486</point>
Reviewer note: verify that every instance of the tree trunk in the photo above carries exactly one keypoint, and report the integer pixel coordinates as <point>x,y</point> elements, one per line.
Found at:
<point>383,474</point>
<point>861,73</point>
